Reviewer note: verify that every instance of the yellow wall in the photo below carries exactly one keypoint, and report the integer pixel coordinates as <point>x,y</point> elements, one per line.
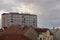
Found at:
<point>45,35</point>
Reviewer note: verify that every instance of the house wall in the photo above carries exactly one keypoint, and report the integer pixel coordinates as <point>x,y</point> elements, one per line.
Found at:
<point>51,37</point>
<point>45,36</point>
<point>4,21</point>
<point>57,34</point>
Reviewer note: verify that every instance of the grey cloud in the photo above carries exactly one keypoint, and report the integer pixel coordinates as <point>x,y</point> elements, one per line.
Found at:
<point>48,11</point>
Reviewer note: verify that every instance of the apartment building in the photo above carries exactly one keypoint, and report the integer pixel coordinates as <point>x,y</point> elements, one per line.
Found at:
<point>23,19</point>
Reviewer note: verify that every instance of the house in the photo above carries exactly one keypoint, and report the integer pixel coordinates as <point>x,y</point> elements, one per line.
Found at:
<point>19,33</point>
<point>57,34</point>
<point>44,34</point>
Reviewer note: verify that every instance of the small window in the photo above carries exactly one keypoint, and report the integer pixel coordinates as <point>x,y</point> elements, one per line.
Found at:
<point>11,15</point>
<point>22,16</point>
<point>23,21</point>
<point>40,38</point>
<point>12,21</point>
<point>33,21</point>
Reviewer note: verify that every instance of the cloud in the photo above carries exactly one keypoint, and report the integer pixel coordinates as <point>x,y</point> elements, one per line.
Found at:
<point>48,11</point>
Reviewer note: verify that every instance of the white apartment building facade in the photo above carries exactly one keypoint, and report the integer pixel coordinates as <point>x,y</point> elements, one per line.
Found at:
<point>22,19</point>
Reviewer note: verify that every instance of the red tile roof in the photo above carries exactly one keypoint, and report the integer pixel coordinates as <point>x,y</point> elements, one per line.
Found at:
<point>24,30</point>
<point>14,37</point>
<point>1,30</point>
<point>13,29</point>
<point>16,29</point>
<point>40,30</point>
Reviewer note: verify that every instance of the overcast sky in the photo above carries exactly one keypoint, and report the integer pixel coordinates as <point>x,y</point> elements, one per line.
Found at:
<point>48,11</point>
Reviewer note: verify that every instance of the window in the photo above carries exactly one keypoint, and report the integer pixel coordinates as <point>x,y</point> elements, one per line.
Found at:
<point>34,20</point>
<point>22,16</point>
<point>23,20</point>
<point>11,18</point>
<point>40,38</point>
<point>11,21</point>
<point>11,15</point>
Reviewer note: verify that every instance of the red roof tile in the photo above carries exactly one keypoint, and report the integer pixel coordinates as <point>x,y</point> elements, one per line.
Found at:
<point>16,29</point>
<point>1,30</point>
<point>13,29</point>
<point>14,37</point>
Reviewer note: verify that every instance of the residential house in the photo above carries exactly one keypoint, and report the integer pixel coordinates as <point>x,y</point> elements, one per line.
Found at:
<point>44,34</point>
<point>57,34</point>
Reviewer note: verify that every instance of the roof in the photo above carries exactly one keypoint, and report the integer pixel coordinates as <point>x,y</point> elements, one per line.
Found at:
<point>4,13</point>
<point>1,30</point>
<point>16,29</point>
<point>41,29</point>
<point>15,37</point>
<point>11,13</point>
<point>14,13</point>
<point>38,30</point>
<point>13,29</point>
<point>27,14</point>
<point>25,29</point>
<point>17,13</point>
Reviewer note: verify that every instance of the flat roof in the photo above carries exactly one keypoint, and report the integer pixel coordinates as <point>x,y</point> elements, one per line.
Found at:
<point>19,13</point>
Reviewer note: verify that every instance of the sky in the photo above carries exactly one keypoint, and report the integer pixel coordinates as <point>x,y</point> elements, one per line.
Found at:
<point>47,11</point>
